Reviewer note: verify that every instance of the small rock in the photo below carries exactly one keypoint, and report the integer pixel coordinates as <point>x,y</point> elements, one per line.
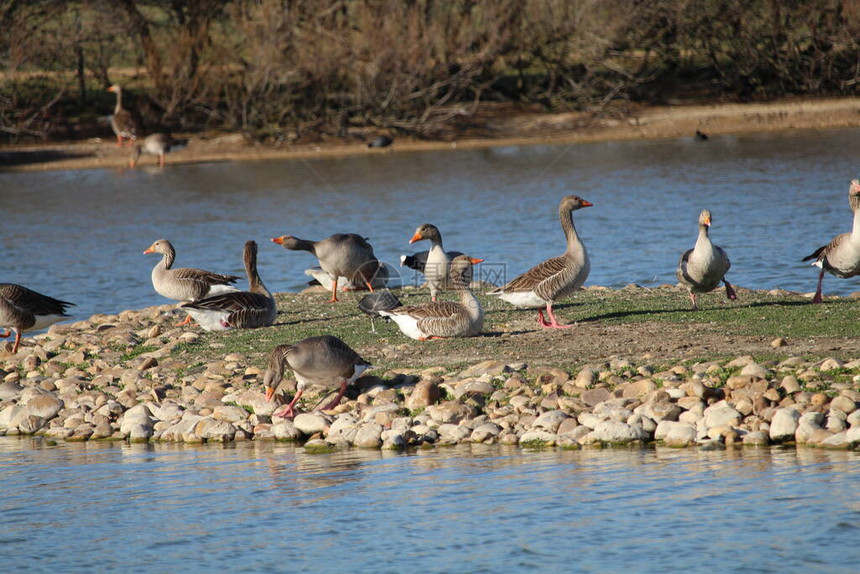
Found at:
<point>784,425</point>
<point>310,423</point>
<point>369,435</point>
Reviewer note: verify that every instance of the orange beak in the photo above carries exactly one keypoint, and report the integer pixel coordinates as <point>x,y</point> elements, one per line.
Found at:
<point>149,250</point>
<point>475,260</point>
<point>416,237</point>
<point>708,221</point>
<point>111,89</point>
<point>270,393</point>
<point>278,240</point>
<point>586,203</point>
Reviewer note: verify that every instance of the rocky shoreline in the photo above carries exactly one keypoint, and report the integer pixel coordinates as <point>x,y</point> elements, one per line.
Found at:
<point>84,381</point>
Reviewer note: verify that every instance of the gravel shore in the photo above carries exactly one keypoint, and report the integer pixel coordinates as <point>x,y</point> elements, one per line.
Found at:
<point>84,381</point>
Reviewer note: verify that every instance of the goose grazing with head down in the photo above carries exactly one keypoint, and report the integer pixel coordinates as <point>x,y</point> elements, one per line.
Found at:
<point>324,360</point>
<point>554,278</point>
<point>238,309</point>
<point>185,283</point>
<point>341,255</point>
<point>442,319</point>
<point>436,266</point>
<point>840,257</point>
<point>373,303</point>
<point>23,310</point>
<point>157,145</point>
<point>703,267</point>
<point>122,122</point>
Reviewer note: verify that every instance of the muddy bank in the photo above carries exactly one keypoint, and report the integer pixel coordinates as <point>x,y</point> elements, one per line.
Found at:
<point>499,125</point>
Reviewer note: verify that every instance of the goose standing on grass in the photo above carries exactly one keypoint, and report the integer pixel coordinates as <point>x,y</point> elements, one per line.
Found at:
<point>554,278</point>
<point>703,267</point>
<point>122,122</point>
<point>238,309</point>
<point>442,319</point>
<point>157,145</point>
<point>341,255</point>
<point>373,303</point>
<point>185,283</point>
<point>436,266</point>
<point>324,360</point>
<point>23,310</point>
<point>840,257</point>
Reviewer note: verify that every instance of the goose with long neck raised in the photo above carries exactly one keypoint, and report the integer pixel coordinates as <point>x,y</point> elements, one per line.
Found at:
<point>23,310</point>
<point>122,122</point>
<point>324,360</point>
<point>238,309</point>
<point>436,266</point>
<point>701,268</point>
<point>341,255</point>
<point>554,278</point>
<point>442,319</point>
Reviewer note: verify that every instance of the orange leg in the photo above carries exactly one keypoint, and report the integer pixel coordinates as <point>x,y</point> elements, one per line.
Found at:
<point>186,321</point>
<point>333,291</point>
<point>818,298</point>
<point>336,400</point>
<point>553,322</point>
<point>17,342</point>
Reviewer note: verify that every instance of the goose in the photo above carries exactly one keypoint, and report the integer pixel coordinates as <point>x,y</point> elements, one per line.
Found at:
<point>23,310</point>
<point>380,142</point>
<point>840,257</point>
<point>373,303</point>
<point>702,268</point>
<point>323,279</point>
<point>341,255</point>
<point>436,265</point>
<point>156,144</point>
<point>554,278</point>
<point>185,283</point>
<point>122,122</point>
<point>238,309</point>
<point>324,360</point>
<point>441,319</point>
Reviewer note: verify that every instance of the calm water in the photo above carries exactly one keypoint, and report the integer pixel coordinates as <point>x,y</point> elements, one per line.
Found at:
<point>80,235</point>
<point>267,507</point>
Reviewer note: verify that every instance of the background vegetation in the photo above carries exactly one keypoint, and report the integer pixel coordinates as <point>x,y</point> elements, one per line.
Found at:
<point>282,70</point>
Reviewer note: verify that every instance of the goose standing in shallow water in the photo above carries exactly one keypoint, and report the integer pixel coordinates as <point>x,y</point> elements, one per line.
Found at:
<point>238,309</point>
<point>441,319</point>
<point>554,278</point>
<point>840,257</point>
<point>341,255</point>
<point>324,360</point>
<point>185,283</point>
<point>23,310</point>
<point>703,267</point>
<point>122,122</point>
<point>436,266</point>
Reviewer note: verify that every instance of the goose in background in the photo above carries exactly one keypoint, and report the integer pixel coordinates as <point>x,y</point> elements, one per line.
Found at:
<point>554,278</point>
<point>373,303</point>
<point>380,142</point>
<point>122,121</point>
<point>156,144</point>
<point>341,255</point>
<point>418,260</point>
<point>701,268</point>
<point>185,283</point>
<point>324,360</point>
<point>238,309</point>
<point>840,257</point>
<point>441,319</point>
<point>23,310</point>
<point>436,264</point>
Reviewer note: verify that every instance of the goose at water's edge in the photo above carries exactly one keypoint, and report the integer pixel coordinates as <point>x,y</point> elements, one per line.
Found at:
<point>702,268</point>
<point>840,257</point>
<point>442,319</point>
<point>341,255</point>
<point>554,278</point>
<point>238,309</point>
<point>122,122</point>
<point>23,310</point>
<point>436,265</point>
<point>156,144</point>
<point>324,360</point>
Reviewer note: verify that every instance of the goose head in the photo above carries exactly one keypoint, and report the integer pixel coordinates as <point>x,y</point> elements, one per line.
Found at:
<point>426,231</point>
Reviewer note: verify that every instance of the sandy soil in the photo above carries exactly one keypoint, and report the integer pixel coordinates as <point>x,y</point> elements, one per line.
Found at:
<point>495,125</point>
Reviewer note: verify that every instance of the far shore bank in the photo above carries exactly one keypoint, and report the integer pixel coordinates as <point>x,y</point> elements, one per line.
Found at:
<point>500,127</point>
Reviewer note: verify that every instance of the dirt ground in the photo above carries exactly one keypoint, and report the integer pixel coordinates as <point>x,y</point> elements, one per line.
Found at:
<point>494,125</point>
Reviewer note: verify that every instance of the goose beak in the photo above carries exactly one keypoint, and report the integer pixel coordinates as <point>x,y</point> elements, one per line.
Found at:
<point>587,203</point>
<point>149,250</point>
<point>416,237</point>
<point>278,240</point>
<point>475,260</point>
<point>270,393</point>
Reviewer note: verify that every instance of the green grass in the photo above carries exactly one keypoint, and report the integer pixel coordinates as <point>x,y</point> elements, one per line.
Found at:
<point>512,335</point>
